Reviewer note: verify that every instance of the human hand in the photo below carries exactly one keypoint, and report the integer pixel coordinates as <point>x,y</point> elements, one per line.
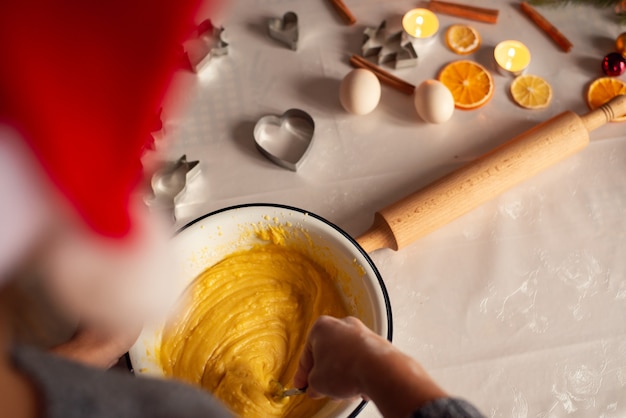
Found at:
<point>334,351</point>
<point>342,359</point>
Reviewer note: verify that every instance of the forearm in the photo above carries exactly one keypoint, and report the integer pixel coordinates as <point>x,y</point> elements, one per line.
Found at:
<point>397,384</point>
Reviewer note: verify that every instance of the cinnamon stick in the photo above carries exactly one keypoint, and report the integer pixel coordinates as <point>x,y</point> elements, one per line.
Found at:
<point>546,26</point>
<point>384,77</point>
<point>344,12</point>
<point>479,14</point>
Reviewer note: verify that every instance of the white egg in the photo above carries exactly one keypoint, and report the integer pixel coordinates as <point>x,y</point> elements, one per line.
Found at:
<point>359,92</point>
<point>434,102</point>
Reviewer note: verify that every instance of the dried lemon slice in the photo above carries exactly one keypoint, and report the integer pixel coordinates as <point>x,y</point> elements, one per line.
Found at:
<point>531,92</point>
<point>462,39</point>
<point>604,89</point>
<point>470,83</point>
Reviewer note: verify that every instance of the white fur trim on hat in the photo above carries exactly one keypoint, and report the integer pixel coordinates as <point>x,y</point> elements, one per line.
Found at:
<point>23,211</point>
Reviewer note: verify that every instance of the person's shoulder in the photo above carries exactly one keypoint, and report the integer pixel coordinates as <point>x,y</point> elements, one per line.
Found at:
<point>71,390</point>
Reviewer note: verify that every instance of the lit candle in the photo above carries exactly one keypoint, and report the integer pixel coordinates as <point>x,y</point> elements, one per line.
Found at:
<point>420,24</point>
<point>512,57</point>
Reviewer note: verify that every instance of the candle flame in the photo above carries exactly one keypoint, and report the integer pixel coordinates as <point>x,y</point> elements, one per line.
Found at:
<point>510,54</point>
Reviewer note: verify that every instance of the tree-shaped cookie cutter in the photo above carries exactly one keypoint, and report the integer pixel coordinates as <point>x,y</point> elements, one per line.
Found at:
<point>385,47</point>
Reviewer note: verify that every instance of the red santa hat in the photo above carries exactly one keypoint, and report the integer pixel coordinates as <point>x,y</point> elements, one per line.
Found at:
<point>79,84</point>
<point>81,81</point>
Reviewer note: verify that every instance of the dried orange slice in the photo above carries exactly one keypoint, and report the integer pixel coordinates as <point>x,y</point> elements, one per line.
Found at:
<point>604,89</point>
<point>531,92</point>
<point>470,83</point>
<point>462,39</point>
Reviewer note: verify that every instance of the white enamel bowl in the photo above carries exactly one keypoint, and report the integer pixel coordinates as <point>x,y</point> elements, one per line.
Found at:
<point>210,238</point>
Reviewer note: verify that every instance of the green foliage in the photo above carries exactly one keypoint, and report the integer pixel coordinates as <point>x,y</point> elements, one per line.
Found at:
<point>596,3</point>
<point>621,4</point>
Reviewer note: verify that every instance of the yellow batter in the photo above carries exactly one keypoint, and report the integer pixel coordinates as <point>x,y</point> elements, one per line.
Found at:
<point>244,324</point>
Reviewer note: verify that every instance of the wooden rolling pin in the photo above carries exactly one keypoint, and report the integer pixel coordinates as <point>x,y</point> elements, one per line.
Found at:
<point>485,178</point>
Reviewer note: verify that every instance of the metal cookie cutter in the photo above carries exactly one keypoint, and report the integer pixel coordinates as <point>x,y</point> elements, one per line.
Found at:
<point>385,47</point>
<point>285,29</point>
<point>207,43</point>
<point>170,182</point>
<point>285,140</point>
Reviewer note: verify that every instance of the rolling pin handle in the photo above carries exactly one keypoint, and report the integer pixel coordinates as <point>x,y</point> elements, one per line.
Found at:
<point>380,235</point>
<point>615,108</point>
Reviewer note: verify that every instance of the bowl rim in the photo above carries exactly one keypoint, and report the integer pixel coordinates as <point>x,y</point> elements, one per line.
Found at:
<point>366,256</point>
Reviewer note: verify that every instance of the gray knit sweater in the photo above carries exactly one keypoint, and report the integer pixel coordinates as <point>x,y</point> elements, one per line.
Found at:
<point>70,390</point>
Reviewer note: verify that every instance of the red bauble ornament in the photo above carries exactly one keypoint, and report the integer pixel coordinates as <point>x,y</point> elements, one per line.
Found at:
<point>614,64</point>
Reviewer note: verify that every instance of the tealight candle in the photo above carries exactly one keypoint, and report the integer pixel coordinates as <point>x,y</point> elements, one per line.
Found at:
<point>420,24</point>
<point>512,57</point>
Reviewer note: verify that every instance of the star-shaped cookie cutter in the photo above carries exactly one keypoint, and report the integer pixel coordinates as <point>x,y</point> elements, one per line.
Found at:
<point>170,182</point>
<point>207,43</point>
<point>385,47</point>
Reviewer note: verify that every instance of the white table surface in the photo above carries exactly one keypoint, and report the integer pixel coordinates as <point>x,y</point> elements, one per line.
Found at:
<point>518,306</point>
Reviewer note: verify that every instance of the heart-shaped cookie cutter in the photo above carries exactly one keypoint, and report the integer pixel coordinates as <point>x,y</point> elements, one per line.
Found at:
<point>286,139</point>
<point>285,29</point>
